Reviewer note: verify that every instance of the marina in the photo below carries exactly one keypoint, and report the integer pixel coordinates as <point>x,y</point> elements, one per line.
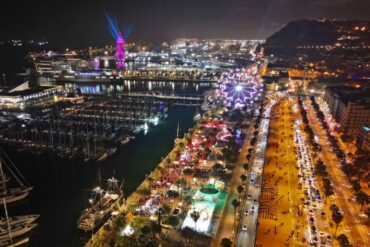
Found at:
<point>63,202</point>
<point>14,230</point>
<point>91,130</point>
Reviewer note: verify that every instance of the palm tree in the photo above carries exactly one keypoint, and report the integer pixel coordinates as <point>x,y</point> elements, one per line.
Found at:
<point>226,242</point>
<point>187,232</point>
<point>337,218</point>
<point>362,198</point>
<point>343,240</point>
<point>195,216</point>
<point>246,167</point>
<point>240,190</point>
<point>243,178</point>
<point>320,169</point>
<point>150,181</point>
<point>155,228</point>
<point>368,215</point>
<point>235,204</point>
<point>356,185</point>
<point>101,241</point>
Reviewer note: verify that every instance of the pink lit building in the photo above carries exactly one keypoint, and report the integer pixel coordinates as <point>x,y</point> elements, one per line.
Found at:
<point>120,52</point>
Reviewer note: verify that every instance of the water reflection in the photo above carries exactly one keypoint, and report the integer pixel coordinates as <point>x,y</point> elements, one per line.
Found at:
<point>139,86</point>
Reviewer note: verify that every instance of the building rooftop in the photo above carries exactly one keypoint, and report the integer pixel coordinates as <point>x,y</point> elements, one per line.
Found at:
<point>26,92</point>
<point>348,94</point>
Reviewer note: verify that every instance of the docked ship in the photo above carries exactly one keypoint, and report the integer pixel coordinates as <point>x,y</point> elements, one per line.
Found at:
<point>14,230</point>
<point>102,204</point>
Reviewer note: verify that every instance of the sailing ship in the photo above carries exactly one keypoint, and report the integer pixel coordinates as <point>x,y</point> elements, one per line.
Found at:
<point>102,204</point>
<point>13,230</point>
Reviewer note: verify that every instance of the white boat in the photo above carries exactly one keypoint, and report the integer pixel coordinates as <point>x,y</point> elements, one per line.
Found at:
<point>14,243</point>
<point>197,117</point>
<point>14,194</point>
<point>21,219</point>
<point>15,231</point>
<point>125,141</point>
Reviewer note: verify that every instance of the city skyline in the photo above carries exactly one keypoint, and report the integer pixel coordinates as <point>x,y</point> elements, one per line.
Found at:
<point>83,23</point>
<point>199,123</point>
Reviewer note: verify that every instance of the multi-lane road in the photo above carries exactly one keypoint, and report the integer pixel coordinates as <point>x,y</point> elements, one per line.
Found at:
<point>246,233</point>
<point>357,231</point>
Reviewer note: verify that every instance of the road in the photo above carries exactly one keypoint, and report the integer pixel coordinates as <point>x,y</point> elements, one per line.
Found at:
<point>353,226</point>
<point>246,237</point>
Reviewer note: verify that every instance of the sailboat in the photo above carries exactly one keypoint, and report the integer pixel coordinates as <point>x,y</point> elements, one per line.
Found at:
<point>14,243</point>
<point>22,219</point>
<point>102,204</point>
<point>13,230</point>
<point>9,195</point>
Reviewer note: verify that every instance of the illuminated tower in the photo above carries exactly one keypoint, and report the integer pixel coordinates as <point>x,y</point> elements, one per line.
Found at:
<point>120,52</point>
<point>96,63</point>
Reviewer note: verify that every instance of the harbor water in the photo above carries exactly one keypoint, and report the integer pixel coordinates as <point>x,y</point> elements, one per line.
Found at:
<point>62,186</point>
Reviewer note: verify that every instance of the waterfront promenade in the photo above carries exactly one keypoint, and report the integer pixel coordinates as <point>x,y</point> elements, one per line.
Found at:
<point>134,197</point>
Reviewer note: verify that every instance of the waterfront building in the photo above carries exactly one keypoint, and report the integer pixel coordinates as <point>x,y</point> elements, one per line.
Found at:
<point>363,138</point>
<point>120,52</point>
<point>24,95</point>
<point>350,107</point>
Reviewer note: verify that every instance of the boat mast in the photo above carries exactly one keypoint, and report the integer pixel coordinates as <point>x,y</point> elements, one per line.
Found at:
<point>7,221</point>
<point>3,177</point>
<point>178,129</point>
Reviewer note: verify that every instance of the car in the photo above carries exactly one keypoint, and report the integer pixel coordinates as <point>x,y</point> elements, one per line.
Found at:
<point>312,220</point>
<point>255,201</point>
<point>313,243</point>
<point>246,212</point>
<point>252,209</point>
<point>329,239</point>
<point>362,214</point>
<point>323,214</point>
<point>249,197</point>
<point>315,239</point>
<point>244,228</point>
<point>313,229</point>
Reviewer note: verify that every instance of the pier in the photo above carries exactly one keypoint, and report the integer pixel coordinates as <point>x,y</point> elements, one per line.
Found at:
<point>165,95</point>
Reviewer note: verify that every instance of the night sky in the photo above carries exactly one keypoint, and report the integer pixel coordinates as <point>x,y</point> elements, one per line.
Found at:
<point>81,23</point>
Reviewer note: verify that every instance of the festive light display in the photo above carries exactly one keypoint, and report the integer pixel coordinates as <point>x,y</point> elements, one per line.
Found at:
<point>240,87</point>
<point>96,63</point>
<point>120,51</point>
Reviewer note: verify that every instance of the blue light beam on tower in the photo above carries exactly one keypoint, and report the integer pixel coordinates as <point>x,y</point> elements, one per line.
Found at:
<point>112,26</point>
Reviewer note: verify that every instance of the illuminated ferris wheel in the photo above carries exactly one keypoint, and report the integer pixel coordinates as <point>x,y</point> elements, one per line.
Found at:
<point>240,87</point>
